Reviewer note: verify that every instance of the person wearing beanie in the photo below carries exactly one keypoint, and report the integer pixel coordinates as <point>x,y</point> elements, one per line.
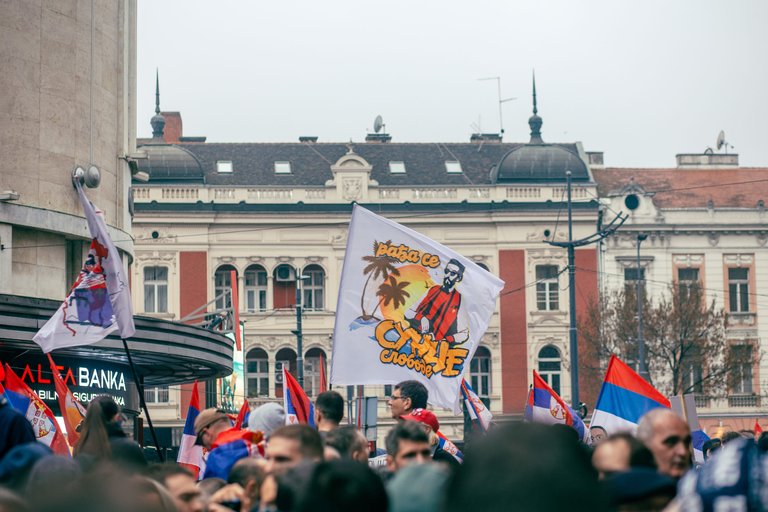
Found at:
<point>267,418</point>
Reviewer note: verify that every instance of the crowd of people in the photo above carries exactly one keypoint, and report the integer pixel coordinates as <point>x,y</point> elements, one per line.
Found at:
<point>271,466</point>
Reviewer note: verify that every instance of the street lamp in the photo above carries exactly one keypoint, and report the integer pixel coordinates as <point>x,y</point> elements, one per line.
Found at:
<point>298,332</point>
<point>640,341</point>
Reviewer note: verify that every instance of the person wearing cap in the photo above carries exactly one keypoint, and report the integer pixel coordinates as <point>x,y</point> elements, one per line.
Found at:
<point>431,425</point>
<point>227,444</point>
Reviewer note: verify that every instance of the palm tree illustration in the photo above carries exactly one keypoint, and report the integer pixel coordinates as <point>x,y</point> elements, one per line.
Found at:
<point>392,291</point>
<point>378,266</point>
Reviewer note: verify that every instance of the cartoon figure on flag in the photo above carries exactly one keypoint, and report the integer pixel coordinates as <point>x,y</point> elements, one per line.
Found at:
<point>89,293</point>
<point>408,308</point>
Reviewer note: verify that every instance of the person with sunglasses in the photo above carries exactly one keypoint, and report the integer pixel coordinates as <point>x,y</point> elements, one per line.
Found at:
<point>437,312</point>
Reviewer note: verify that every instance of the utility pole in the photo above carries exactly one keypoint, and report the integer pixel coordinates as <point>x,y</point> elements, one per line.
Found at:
<point>571,245</point>
<point>640,340</point>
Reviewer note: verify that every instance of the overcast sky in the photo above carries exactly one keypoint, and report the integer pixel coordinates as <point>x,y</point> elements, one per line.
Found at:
<point>641,81</point>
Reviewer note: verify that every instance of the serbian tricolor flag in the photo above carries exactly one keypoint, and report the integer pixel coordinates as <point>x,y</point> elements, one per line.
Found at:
<point>298,407</point>
<point>624,398</point>
<point>477,410</point>
<point>546,406</point>
<point>243,415</point>
<point>39,415</point>
<point>72,411</point>
<point>447,445</point>
<point>190,454</point>
<point>99,301</point>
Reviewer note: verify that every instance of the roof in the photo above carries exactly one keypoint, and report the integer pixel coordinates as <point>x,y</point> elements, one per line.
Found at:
<point>425,163</point>
<point>542,163</point>
<point>166,162</point>
<point>690,188</point>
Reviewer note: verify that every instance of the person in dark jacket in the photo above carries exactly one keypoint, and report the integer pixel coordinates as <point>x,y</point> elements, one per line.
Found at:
<point>102,438</point>
<point>14,428</point>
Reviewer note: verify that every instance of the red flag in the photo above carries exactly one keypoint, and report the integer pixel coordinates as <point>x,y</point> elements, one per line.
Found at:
<point>298,407</point>
<point>323,380</point>
<point>39,415</point>
<point>758,429</point>
<point>71,410</point>
<point>242,416</point>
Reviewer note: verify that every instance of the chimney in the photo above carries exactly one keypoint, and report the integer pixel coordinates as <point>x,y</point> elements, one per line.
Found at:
<point>307,138</point>
<point>173,130</point>
<point>595,158</point>
<point>707,160</point>
<point>378,137</point>
<point>485,137</point>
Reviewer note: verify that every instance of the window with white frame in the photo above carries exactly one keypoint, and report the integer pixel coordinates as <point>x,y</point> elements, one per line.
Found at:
<point>313,288</point>
<point>257,373</point>
<point>547,288</point>
<point>550,366</point>
<point>155,289</point>
<point>223,286</point>
<point>741,370</point>
<point>157,395</point>
<point>692,372</point>
<point>397,167</point>
<point>480,374</point>
<point>282,167</point>
<point>255,289</point>
<point>453,167</point>
<point>738,290</point>
<point>224,166</point>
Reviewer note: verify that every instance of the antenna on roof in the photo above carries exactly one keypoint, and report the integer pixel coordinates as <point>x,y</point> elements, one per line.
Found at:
<point>501,101</point>
<point>722,142</point>
<point>378,124</point>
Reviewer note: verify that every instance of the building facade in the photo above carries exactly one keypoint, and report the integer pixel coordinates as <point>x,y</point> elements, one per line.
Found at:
<point>272,212</point>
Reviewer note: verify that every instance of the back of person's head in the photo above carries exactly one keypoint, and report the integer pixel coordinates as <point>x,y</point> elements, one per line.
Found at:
<point>404,431</point>
<point>267,418</point>
<point>12,502</point>
<point>730,436</point>
<point>208,486</point>
<point>161,472</point>
<point>346,440</point>
<point>94,436</point>
<point>418,487</point>
<point>639,454</point>
<point>711,446</point>
<point>58,476</point>
<point>343,486</point>
<point>416,391</point>
<point>762,442</point>
<point>331,405</point>
<point>17,464</point>
<point>292,485</point>
<point>528,466</point>
<point>310,442</point>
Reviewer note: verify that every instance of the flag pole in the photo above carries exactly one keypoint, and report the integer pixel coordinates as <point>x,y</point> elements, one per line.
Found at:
<point>140,388</point>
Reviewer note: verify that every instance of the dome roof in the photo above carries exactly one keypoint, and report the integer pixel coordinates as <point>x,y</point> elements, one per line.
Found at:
<point>166,162</point>
<point>539,163</point>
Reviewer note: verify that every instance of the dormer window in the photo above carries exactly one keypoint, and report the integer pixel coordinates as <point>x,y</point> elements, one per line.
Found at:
<point>453,167</point>
<point>282,167</point>
<point>224,166</point>
<point>397,167</point>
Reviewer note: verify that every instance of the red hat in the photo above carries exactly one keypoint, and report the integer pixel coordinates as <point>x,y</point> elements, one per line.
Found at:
<point>423,416</point>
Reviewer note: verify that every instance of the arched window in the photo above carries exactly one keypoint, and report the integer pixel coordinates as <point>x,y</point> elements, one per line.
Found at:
<point>480,374</point>
<point>315,365</point>
<point>313,288</point>
<point>255,289</point>
<point>549,366</point>
<point>285,357</point>
<point>483,266</point>
<point>222,289</point>
<point>256,373</point>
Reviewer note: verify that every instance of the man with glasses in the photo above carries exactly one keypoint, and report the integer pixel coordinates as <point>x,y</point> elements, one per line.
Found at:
<point>438,311</point>
<point>225,443</point>
<point>407,395</point>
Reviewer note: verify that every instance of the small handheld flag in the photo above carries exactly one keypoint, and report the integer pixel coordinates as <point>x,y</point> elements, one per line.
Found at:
<point>547,407</point>
<point>624,398</point>
<point>477,410</point>
<point>72,411</point>
<point>39,415</point>
<point>190,454</point>
<point>298,407</point>
<point>243,415</point>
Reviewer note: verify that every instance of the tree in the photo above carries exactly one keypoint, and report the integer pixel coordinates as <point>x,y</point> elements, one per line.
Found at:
<point>686,347</point>
<point>378,266</point>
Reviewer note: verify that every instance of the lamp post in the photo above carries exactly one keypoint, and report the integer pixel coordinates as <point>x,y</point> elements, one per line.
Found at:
<point>639,294</point>
<point>298,332</point>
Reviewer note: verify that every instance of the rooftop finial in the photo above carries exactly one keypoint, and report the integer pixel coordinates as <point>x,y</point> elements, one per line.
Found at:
<point>157,121</point>
<point>157,92</point>
<point>535,121</point>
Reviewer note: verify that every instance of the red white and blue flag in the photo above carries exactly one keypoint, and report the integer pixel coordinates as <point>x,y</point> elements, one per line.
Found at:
<point>298,407</point>
<point>99,301</point>
<point>477,410</point>
<point>624,398</point>
<point>243,415</point>
<point>39,415</point>
<point>190,454</point>
<point>546,406</point>
<point>448,446</point>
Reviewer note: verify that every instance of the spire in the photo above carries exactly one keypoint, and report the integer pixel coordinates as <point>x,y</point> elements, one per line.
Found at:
<point>157,92</point>
<point>535,121</point>
<point>157,121</point>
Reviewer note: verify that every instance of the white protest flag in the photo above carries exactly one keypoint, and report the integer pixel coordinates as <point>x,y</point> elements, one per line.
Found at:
<point>99,301</point>
<point>409,308</point>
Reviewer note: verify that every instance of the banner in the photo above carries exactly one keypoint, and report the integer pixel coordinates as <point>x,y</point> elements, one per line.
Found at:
<point>72,411</point>
<point>99,301</point>
<point>408,308</point>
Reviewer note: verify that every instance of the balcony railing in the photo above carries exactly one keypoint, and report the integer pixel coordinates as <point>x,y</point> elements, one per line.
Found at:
<point>744,401</point>
<point>702,401</point>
